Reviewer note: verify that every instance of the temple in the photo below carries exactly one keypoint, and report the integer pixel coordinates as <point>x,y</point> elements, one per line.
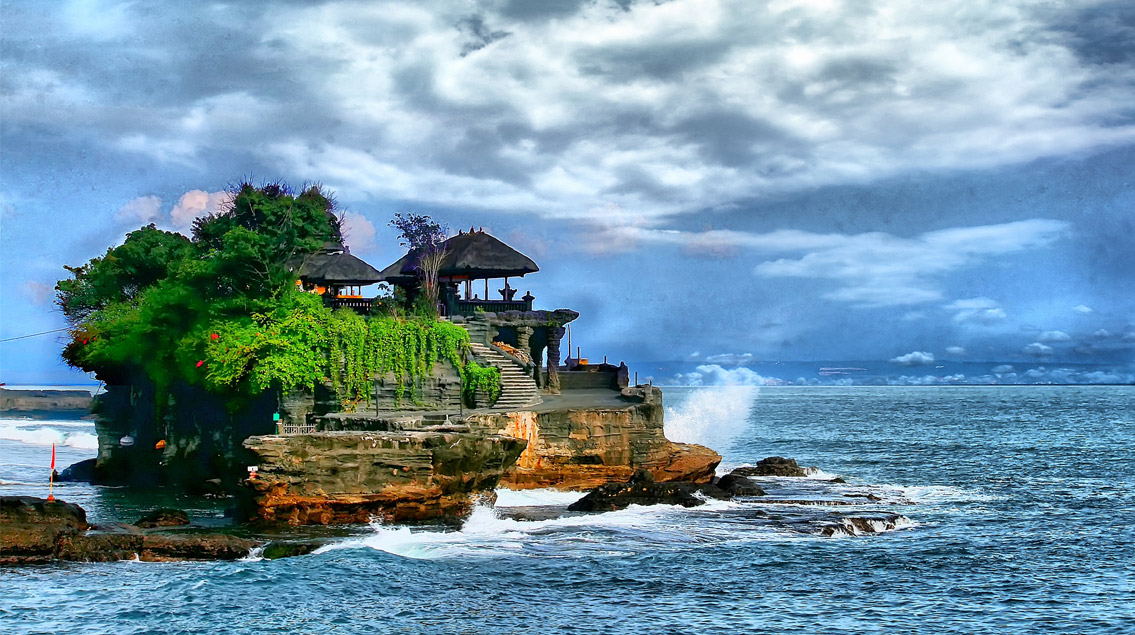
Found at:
<point>505,331</point>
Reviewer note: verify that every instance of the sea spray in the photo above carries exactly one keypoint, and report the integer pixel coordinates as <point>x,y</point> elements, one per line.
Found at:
<point>713,416</point>
<point>47,433</point>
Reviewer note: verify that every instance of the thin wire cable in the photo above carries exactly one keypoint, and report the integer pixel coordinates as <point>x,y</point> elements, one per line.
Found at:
<point>9,339</point>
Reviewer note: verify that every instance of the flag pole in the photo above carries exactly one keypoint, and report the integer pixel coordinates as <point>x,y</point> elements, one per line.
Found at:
<point>51,478</point>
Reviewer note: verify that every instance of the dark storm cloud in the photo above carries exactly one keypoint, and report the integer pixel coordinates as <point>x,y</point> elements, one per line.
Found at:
<point>787,164</point>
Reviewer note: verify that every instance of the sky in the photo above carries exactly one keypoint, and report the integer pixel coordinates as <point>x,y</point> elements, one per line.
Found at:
<point>714,182</point>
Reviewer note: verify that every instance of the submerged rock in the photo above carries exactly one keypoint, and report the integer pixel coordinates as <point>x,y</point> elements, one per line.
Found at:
<point>772,466</point>
<point>161,547</point>
<point>81,472</point>
<point>860,525</point>
<point>30,527</point>
<point>288,549</point>
<point>33,530</point>
<point>164,517</point>
<point>737,485</point>
<point>643,490</point>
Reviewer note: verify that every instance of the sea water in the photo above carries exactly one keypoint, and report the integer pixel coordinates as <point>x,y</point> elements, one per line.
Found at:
<point>1016,508</point>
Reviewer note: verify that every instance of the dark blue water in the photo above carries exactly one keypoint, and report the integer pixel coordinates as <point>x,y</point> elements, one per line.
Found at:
<point>1020,500</point>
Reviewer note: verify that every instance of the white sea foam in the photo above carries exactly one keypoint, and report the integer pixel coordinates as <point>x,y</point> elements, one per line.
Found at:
<point>713,417</point>
<point>941,494</point>
<point>817,473</point>
<point>486,533</point>
<point>536,498</point>
<point>46,433</point>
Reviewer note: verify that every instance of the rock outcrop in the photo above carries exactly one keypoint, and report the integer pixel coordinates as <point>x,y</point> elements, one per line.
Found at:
<point>772,466</point>
<point>164,517</point>
<point>30,402</point>
<point>642,489</point>
<point>583,447</point>
<point>352,477</point>
<point>34,530</point>
<point>737,485</point>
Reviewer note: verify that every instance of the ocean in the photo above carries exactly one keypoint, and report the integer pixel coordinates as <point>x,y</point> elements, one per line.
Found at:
<point>1015,508</point>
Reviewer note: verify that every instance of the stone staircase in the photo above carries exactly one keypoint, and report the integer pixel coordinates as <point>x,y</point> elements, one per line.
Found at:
<point>517,388</point>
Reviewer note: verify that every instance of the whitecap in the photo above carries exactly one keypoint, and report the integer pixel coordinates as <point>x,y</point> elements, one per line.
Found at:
<point>40,433</point>
<point>713,417</point>
<point>536,498</point>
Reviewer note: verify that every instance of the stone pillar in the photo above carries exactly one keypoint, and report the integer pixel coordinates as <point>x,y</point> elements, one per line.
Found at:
<point>555,334</point>
<point>523,340</point>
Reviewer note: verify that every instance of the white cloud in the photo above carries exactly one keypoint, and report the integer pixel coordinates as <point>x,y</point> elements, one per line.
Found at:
<point>1037,349</point>
<point>872,269</point>
<point>1003,369</point>
<point>1054,336</point>
<point>914,358</point>
<point>38,292</point>
<point>714,375</point>
<point>1102,334</point>
<point>358,232</point>
<point>196,203</point>
<point>661,108</point>
<point>956,350</point>
<point>878,269</point>
<point>1080,308</point>
<point>139,211</point>
<point>977,310</point>
<point>730,358</point>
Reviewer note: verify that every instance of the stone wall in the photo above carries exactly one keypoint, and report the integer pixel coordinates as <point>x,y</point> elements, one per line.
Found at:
<point>581,448</point>
<point>202,435</point>
<point>350,477</point>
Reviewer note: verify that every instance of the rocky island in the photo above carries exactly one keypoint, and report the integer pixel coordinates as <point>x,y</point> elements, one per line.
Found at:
<point>245,360</point>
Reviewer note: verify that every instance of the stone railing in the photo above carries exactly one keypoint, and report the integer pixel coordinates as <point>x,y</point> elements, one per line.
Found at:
<point>360,305</point>
<point>286,428</point>
<point>470,307</point>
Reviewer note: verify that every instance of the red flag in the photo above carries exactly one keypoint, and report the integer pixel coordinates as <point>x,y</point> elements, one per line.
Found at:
<point>52,457</point>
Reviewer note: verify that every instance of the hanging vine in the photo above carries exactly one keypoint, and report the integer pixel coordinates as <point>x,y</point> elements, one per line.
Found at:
<point>362,349</point>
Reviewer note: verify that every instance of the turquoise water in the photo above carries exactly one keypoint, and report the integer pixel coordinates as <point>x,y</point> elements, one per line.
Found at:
<point>1021,520</point>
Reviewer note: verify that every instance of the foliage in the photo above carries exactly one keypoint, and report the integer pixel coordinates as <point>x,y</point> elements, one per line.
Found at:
<point>154,301</point>
<point>418,231</point>
<point>426,240</point>
<point>486,379</point>
<point>221,310</point>
<point>361,349</point>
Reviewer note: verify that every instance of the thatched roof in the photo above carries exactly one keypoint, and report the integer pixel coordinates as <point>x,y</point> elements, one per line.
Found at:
<point>475,255</point>
<point>333,265</point>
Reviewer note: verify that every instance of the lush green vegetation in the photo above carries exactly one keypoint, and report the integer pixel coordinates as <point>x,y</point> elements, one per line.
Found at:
<point>486,379</point>
<point>221,310</point>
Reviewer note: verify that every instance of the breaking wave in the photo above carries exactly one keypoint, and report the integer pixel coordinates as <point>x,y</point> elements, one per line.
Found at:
<point>48,432</point>
<point>713,417</point>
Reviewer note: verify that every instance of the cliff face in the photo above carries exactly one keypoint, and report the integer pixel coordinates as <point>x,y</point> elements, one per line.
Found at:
<point>202,434</point>
<point>584,447</point>
<point>350,477</point>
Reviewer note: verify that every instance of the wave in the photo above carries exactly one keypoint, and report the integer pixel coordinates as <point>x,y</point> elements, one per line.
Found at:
<point>536,498</point>
<point>713,417</point>
<point>51,423</point>
<point>860,526</point>
<point>42,433</point>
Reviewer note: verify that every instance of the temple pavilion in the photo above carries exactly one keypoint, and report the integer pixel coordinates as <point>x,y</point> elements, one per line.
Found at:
<point>469,258</point>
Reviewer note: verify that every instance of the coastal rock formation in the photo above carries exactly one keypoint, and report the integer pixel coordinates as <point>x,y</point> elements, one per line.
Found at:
<point>164,517</point>
<point>25,402</point>
<point>351,477</point>
<point>35,530</point>
<point>772,466</point>
<point>642,489</point>
<point>738,485</point>
<point>577,447</point>
<point>30,527</point>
